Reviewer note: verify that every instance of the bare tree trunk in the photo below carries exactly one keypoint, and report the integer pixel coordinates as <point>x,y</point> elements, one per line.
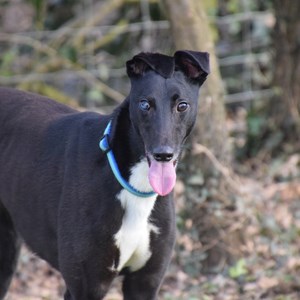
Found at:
<point>286,38</point>
<point>205,185</point>
<point>191,30</point>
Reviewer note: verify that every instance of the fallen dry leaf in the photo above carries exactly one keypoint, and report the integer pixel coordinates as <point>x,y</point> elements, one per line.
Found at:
<point>267,282</point>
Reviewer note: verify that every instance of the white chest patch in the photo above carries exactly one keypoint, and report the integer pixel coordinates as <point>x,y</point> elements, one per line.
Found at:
<point>133,238</point>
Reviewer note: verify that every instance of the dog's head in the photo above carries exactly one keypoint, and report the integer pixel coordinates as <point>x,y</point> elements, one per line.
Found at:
<point>163,107</point>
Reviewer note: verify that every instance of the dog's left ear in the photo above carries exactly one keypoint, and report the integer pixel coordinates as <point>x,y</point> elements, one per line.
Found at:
<point>142,62</point>
<point>195,65</point>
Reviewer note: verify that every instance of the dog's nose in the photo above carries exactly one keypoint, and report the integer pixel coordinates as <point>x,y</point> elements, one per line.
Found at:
<point>163,154</point>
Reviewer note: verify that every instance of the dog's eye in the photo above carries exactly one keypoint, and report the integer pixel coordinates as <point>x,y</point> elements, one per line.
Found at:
<point>144,105</point>
<point>182,106</point>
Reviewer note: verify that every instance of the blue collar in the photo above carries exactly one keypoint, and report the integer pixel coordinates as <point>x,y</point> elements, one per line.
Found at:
<point>105,147</point>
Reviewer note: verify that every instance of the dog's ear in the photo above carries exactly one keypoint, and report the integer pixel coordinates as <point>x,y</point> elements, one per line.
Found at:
<point>162,64</point>
<point>195,65</point>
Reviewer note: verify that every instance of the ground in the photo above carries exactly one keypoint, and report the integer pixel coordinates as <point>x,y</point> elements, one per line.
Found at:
<point>268,268</point>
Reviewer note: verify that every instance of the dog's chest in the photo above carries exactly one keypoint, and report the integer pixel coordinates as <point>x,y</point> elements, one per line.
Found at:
<point>133,238</point>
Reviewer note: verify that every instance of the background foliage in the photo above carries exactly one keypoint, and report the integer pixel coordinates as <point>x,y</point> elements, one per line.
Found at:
<point>75,52</point>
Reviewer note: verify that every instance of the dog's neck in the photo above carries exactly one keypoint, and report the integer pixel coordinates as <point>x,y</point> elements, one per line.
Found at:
<point>127,145</point>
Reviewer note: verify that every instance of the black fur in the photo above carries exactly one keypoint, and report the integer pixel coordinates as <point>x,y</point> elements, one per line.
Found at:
<point>57,191</point>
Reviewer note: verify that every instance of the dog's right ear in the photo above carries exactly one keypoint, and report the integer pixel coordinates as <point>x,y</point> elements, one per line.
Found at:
<point>161,64</point>
<point>195,65</point>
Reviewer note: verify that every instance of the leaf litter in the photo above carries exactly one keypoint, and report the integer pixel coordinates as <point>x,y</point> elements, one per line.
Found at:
<point>269,268</point>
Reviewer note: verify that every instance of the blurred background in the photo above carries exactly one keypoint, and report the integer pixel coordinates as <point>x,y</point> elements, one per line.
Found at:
<point>237,197</point>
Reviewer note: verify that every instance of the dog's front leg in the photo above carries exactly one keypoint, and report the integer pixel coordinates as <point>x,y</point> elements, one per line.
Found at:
<point>137,286</point>
<point>87,269</point>
<point>84,287</point>
<point>97,294</point>
<point>144,283</point>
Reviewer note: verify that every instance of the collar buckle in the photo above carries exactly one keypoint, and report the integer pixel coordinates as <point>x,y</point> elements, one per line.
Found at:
<point>104,144</point>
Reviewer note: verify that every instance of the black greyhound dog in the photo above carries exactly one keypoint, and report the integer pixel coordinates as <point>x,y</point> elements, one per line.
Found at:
<point>96,212</point>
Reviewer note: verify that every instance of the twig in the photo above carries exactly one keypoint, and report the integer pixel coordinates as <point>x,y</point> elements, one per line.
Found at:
<point>70,31</point>
<point>198,149</point>
<point>32,42</point>
<point>110,36</point>
<point>60,34</point>
<point>51,52</point>
<point>95,17</point>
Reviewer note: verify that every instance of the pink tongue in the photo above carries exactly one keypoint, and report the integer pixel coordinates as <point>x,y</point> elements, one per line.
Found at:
<point>162,177</point>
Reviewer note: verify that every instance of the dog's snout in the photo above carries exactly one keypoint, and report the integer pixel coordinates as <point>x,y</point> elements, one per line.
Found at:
<point>163,154</point>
